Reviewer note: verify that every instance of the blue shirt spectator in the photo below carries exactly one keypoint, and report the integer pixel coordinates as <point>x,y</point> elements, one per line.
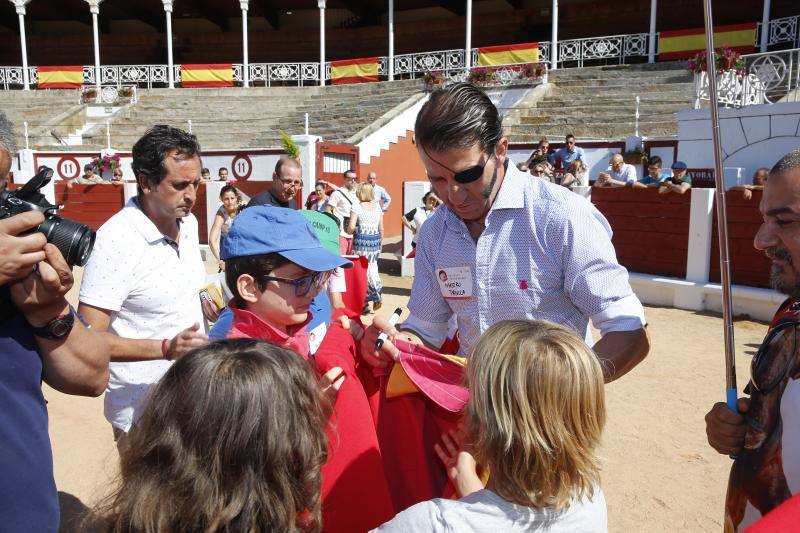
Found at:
<point>563,157</point>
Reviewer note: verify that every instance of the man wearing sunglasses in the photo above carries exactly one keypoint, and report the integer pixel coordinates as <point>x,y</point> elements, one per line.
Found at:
<point>511,246</point>
<point>779,238</point>
<point>287,181</point>
<point>564,156</point>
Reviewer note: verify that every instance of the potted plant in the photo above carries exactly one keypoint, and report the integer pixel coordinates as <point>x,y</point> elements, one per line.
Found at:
<point>637,156</point>
<point>289,146</point>
<point>105,165</point>
<point>725,59</point>
<point>433,78</point>
<point>125,92</point>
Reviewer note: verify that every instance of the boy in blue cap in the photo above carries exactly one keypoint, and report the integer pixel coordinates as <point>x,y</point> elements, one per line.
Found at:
<point>680,182</point>
<point>274,266</point>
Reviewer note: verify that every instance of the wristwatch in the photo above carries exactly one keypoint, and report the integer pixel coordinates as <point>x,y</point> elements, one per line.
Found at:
<point>57,328</point>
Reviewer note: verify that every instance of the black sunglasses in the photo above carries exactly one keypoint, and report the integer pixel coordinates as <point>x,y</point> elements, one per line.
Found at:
<point>468,175</point>
<point>304,285</point>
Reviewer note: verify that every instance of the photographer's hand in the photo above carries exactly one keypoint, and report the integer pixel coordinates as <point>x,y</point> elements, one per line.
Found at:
<point>40,294</point>
<point>18,253</point>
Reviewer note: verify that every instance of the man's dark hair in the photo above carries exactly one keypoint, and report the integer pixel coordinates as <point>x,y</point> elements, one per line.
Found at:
<point>205,171</point>
<point>569,136</point>
<point>788,163</point>
<point>150,152</point>
<point>655,161</point>
<point>458,116</point>
<point>346,172</point>
<point>254,265</point>
<point>220,169</point>
<point>284,161</point>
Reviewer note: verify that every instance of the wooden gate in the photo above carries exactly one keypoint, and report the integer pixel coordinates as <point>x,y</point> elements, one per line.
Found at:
<point>333,160</point>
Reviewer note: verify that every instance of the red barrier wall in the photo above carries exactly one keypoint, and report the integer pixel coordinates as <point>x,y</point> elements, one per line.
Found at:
<point>748,265</point>
<point>89,204</point>
<point>651,230</point>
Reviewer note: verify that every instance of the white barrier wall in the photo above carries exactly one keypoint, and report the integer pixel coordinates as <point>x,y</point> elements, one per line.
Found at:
<point>751,137</point>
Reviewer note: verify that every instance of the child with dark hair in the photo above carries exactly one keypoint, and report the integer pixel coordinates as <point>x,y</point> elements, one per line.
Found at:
<point>275,266</point>
<point>232,439</point>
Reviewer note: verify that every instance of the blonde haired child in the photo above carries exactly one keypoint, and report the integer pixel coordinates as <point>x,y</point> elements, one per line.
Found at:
<point>534,419</point>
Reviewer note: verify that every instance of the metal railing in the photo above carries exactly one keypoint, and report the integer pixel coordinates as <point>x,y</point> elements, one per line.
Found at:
<point>767,78</point>
<point>781,31</point>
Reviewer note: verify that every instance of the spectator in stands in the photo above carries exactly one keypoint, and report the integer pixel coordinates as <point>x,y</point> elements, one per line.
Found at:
<point>116,176</point>
<point>205,175</point>
<point>382,197</point>
<point>366,225</point>
<point>320,197</point>
<point>341,204</point>
<point>576,175</point>
<point>680,182</point>
<point>287,181</point>
<point>414,219</point>
<point>563,157</point>
<point>534,418</point>
<point>655,174</point>
<point>87,178</point>
<point>522,167</point>
<point>759,179</point>
<point>41,340</point>
<point>231,200</point>
<point>223,174</point>
<point>244,454</point>
<point>540,155</point>
<point>618,174</point>
<point>141,285</point>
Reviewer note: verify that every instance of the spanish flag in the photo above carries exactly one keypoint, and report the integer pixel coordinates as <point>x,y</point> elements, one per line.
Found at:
<point>508,54</point>
<point>207,75</point>
<point>70,77</point>
<point>682,44</point>
<point>354,70</point>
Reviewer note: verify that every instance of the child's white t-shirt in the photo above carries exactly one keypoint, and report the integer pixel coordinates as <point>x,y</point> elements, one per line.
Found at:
<point>485,511</point>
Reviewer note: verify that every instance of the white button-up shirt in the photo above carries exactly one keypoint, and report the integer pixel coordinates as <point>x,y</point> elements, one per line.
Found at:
<point>546,253</point>
<point>381,196</point>
<point>151,286</point>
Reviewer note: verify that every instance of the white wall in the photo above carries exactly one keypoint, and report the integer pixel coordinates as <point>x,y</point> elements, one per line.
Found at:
<point>751,137</point>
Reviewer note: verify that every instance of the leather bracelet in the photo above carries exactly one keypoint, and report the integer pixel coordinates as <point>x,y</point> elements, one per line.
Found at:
<point>164,349</point>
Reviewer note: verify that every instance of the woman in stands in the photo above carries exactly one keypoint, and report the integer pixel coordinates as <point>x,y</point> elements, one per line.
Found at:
<point>319,201</point>
<point>231,200</point>
<point>366,225</point>
<point>232,439</point>
<point>576,175</point>
<point>534,417</point>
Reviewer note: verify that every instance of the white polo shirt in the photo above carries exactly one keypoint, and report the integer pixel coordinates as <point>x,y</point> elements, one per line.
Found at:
<point>150,284</point>
<point>545,254</point>
<point>343,202</point>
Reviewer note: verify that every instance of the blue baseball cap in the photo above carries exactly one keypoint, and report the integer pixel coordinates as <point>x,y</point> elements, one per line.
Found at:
<point>679,165</point>
<point>266,229</point>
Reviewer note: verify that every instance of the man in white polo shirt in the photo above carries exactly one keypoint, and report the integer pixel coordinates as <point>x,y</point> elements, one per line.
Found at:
<point>141,284</point>
<point>341,204</point>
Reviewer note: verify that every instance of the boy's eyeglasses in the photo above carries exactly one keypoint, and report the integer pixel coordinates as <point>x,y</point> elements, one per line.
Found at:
<point>304,285</point>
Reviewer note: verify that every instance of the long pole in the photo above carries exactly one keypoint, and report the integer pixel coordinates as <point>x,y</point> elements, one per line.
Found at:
<point>245,52</point>
<point>554,38</point>
<point>170,67</point>
<point>651,49</point>
<point>322,43</point>
<point>764,41</point>
<point>26,82</point>
<point>468,45</point>
<point>391,40</point>
<point>722,219</point>
<point>95,10</point>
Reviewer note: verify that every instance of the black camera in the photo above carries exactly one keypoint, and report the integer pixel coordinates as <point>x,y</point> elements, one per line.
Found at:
<point>73,239</point>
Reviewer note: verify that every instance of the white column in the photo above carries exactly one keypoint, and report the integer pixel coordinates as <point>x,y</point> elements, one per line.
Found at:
<point>170,68</point>
<point>764,27</point>
<point>20,7</point>
<point>554,38</point>
<point>391,40</point>
<point>651,51</point>
<point>468,45</point>
<point>94,9</point>
<point>321,5</point>
<point>245,52</point>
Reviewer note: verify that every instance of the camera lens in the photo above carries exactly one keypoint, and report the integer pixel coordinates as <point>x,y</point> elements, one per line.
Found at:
<point>73,239</point>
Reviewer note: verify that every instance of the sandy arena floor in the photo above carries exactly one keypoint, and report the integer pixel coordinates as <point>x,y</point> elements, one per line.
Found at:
<point>659,472</point>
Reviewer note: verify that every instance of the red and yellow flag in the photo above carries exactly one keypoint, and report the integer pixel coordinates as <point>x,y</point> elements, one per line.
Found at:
<point>64,77</point>
<point>354,70</point>
<point>207,75</point>
<point>681,44</point>
<point>508,54</point>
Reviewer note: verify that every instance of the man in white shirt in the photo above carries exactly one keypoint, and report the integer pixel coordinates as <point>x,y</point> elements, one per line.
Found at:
<point>382,197</point>
<point>141,284</point>
<point>779,238</point>
<point>509,246</point>
<point>618,174</point>
<point>342,203</point>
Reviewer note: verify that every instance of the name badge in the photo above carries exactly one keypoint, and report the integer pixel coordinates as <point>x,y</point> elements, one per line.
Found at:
<point>315,337</point>
<point>455,282</point>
